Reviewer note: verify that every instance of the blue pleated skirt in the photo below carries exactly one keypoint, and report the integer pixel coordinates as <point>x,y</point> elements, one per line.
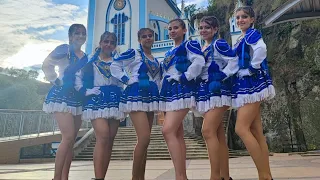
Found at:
<point>251,89</point>
<point>176,96</point>
<point>207,100</point>
<point>105,105</point>
<point>62,99</point>
<point>136,99</point>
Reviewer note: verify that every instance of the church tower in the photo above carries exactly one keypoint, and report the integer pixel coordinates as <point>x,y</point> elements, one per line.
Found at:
<point>126,17</point>
<point>114,16</point>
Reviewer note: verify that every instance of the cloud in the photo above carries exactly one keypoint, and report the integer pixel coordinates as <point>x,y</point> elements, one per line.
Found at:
<point>25,24</point>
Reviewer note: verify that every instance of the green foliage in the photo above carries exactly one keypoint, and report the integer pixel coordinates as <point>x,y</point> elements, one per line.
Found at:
<point>31,74</point>
<point>21,93</point>
<point>191,9</point>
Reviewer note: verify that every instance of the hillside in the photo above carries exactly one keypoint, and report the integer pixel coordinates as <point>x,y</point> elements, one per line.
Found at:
<point>22,93</point>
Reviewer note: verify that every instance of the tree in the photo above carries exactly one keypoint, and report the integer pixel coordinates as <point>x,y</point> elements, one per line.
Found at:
<point>32,74</point>
<point>191,9</point>
<point>22,73</point>
<point>12,72</point>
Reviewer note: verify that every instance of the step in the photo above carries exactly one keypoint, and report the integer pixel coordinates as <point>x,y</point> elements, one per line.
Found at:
<point>150,148</point>
<point>90,154</point>
<point>125,142</point>
<point>157,144</point>
<point>151,141</point>
<point>149,152</point>
<point>308,155</point>
<point>149,158</point>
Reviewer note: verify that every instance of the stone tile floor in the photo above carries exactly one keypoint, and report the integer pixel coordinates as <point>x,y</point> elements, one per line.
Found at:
<point>283,167</point>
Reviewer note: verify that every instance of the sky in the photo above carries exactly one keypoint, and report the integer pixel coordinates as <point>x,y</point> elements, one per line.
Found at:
<point>31,29</point>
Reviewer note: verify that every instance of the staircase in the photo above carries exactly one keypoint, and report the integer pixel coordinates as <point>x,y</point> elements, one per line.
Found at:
<point>126,139</point>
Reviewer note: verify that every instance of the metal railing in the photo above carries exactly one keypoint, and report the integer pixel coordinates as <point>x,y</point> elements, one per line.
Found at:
<point>22,124</point>
<point>162,44</point>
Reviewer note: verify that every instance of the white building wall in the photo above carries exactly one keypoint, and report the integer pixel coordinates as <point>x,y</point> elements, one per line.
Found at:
<point>103,20</point>
<point>234,30</point>
<point>160,7</point>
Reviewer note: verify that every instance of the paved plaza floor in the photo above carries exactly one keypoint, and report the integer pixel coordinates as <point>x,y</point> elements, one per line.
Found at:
<point>283,167</point>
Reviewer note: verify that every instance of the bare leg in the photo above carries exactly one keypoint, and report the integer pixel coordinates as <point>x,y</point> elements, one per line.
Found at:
<point>150,120</point>
<point>67,163</point>
<point>257,131</point>
<point>211,123</point>
<point>182,142</point>
<point>102,131</point>
<point>245,118</point>
<point>224,153</point>
<point>172,122</point>
<point>113,129</point>
<point>141,125</point>
<point>67,127</point>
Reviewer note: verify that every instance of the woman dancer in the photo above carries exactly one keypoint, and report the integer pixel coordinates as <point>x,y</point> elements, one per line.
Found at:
<point>251,86</point>
<point>101,106</point>
<point>141,72</point>
<point>214,96</point>
<point>181,66</point>
<point>63,100</point>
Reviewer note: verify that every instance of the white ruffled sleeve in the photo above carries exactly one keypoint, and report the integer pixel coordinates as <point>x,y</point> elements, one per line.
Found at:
<point>259,54</point>
<point>197,64</point>
<point>48,68</point>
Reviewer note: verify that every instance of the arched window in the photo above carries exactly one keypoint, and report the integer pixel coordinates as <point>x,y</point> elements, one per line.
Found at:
<point>119,21</point>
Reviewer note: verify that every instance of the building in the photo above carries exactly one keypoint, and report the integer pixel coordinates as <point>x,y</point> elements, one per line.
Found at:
<point>126,17</point>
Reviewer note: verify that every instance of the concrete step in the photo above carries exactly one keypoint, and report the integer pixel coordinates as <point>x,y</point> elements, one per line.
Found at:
<point>152,141</point>
<point>156,144</point>
<point>119,153</point>
<point>164,148</point>
<point>125,142</point>
<point>149,158</point>
<point>307,155</point>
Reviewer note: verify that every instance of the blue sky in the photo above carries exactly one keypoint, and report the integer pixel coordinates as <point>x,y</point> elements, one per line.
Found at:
<point>30,29</point>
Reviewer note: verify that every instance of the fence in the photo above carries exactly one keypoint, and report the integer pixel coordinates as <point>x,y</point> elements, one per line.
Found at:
<point>18,124</point>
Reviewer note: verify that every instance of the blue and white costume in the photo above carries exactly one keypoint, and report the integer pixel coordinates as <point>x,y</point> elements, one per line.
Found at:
<point>253,82</point>
<point>180,68</point>
<point>217,56</point>
<point>63,97</point>
<point>142,77</point>
<point>106,104</point>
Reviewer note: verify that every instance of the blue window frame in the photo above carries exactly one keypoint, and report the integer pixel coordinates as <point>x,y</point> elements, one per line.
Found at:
<point>119,21</point>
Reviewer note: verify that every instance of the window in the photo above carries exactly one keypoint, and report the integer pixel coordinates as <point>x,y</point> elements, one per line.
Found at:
<point>119,21</point>
<point>156,37</point>
<point>165,34</point>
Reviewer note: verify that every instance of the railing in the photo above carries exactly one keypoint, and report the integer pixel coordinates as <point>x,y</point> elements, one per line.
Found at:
<point>22,124</point>
<point>163,44</point>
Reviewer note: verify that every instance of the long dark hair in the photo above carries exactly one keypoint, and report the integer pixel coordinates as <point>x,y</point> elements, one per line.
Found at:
<point>213,22</point>
<point>182,24</point>
<point>248,10</point>
<point>107,34</point>
<point>103,36</point>
<point>142,30</point>
<point>73,28</point>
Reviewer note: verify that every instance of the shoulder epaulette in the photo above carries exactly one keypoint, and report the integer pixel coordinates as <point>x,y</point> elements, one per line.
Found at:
<point>194,47</point>
<point>252,36</point>
<point>223,48</point>
<point>129,54</point>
